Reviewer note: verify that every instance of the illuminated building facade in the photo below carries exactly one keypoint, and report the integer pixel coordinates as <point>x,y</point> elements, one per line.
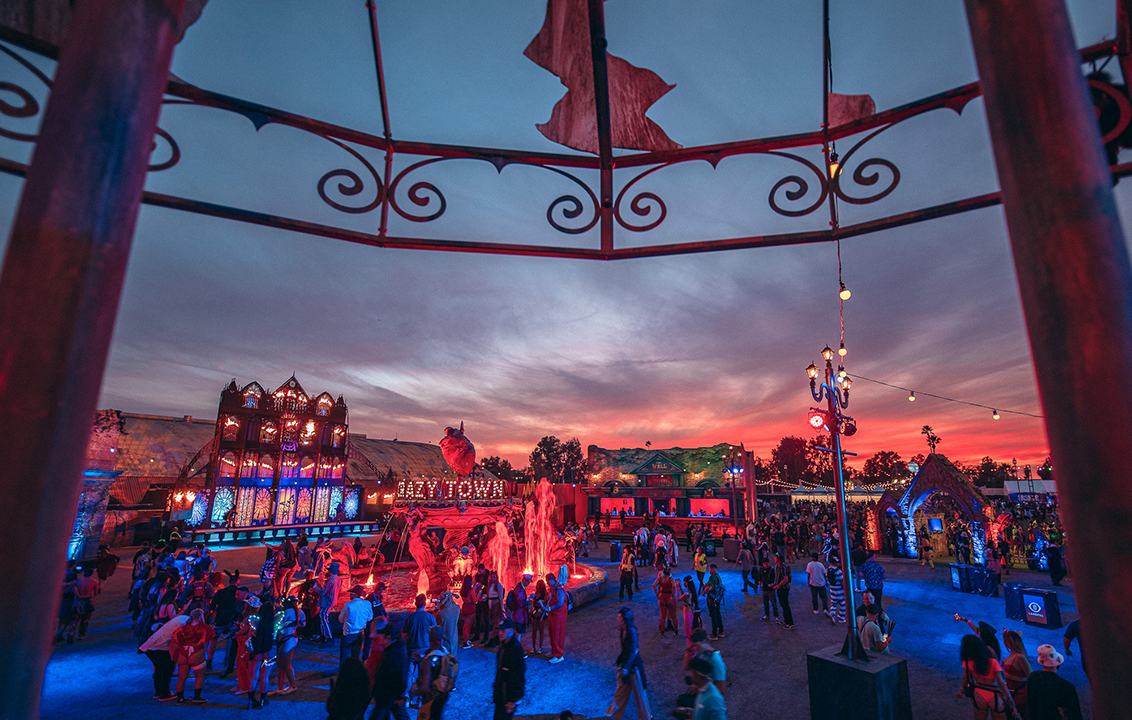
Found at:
<point>277,459</point>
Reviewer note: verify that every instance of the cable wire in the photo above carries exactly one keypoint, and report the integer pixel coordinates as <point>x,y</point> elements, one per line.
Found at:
<point>941,397</point>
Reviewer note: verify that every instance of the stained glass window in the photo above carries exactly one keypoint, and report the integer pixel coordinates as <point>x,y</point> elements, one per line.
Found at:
<point>337,434</point>
<point>321,504</point>
<point>303,505</point>
<point>290,430</point>
<point>290,467</point>
<point>335,502</point>
<point>339,468</point>
<point>351,504</point>
<point>310,431</point>
<point>285,506</point>
<point>223,502</point>
<point>247,504</point>
<point>267,467</point>
<point>200,508</point>
<point>262,505</point>
<point>251,465</point>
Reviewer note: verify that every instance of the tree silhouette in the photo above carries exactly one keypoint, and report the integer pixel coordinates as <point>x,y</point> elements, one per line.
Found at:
<point>932,438</point>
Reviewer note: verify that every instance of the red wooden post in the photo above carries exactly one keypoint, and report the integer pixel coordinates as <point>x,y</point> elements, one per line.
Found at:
<point>1076,285</point>
<point>59,292</point>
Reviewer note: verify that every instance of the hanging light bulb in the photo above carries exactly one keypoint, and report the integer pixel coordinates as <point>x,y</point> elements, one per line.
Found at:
<point>912,396</point>
<point>841,371</point>
<point>845,294</point>
<point>841,350</point>
<point>834,165</point>
<point>995,415</point>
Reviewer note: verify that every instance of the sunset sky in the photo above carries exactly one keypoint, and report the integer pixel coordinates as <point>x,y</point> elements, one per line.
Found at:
<point>689,350</point>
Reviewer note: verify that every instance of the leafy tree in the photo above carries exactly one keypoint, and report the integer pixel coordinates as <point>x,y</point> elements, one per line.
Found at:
<point>500,467</point>
<point>990,474</point>
<point>883,467</point>
<point>1045,470</point>
<point>557,461</point>
<point>822,468</point>
<point>790,461</point>
<point>931,437</point>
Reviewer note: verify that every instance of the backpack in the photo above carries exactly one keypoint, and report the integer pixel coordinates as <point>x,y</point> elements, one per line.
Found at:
<point>444,672</point>
<point>198,589</point>
<point>716,593</point>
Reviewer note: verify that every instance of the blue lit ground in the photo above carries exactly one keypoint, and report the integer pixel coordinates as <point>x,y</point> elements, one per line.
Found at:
<point>103,676</point>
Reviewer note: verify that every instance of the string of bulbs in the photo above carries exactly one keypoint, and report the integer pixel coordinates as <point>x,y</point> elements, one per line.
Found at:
<point>995,413</point>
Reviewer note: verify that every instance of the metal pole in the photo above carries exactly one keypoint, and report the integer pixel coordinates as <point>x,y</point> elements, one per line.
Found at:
<point>842,522</point>
<point>59,291</point>
<point>1076,287</point>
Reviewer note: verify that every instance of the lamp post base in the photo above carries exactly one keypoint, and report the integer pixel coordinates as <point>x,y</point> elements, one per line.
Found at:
<point>844,689</point>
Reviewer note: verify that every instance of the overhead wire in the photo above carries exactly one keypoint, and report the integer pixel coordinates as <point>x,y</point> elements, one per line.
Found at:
<point>921,393</point>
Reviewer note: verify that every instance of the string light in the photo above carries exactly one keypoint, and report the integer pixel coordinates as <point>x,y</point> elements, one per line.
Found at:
<point>912,397</point>
<point>995,415</point>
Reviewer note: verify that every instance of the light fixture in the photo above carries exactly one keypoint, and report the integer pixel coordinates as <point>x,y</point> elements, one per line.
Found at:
<point>994,414</point>
<point>841,350</point>
<point>912,396</point>
<point>827,353</point>
<point>812,371</point>
<point>847,383</point>
<point>841,371</point>
<point>834,165</point>
<point>845,294</point>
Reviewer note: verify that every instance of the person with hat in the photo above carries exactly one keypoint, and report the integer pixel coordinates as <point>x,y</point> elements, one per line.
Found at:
<point>355,615</point>
<point>556,618</point>
<point>448,620</point>
<point>630,671</point>
<point>1050,696</point>
<point>510,672</point>
<point>707,704</point>
<point>327,596</point>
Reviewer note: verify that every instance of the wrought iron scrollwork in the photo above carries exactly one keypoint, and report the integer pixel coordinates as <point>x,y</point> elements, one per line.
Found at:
<point>356,185</point>
<point>643,204</point>
<point>866,175</point>
<point>800,188</point>
<point>174,151</point>
<point>29,106</point>
<point>421,193</point>
<point>577,207</point>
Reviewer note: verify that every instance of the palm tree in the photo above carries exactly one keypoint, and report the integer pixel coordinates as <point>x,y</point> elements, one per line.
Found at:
<point>932,438</point>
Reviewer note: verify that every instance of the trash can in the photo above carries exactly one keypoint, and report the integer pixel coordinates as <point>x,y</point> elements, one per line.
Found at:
<point>1012,592</point>
<point>730,549</point>
<point>1041,608</point>
<point>961,577</point>
<point>615,551</point>
<point>709,548</point>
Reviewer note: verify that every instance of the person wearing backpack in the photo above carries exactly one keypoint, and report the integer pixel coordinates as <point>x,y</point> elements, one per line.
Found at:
<point>438,670</point>
<point>782,590</point>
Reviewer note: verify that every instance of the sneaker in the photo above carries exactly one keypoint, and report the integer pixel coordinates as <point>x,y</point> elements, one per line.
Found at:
<point>554,660</point>
<point>467,645</point>
<point>815,612</point>
<point>159,698</point>
<point>198,699</point>
<point>720,636</point>
<point>766,617</point>
<point>788,627</point>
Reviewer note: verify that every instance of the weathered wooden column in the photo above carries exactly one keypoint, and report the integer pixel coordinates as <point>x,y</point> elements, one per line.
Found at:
<point>59,292</point>
<point>1076,284</point>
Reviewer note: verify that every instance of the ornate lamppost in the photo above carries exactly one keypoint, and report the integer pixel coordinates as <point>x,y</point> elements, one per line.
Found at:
<point>834,391</point>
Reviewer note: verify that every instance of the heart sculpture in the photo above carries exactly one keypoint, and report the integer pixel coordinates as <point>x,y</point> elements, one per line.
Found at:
<point>458,451</point>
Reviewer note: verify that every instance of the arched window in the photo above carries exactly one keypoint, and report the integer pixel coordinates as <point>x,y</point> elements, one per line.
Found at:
<point>306,468</point>
<point>266,467</point>
<point>289,470</point>
<point>230,428</point>
<point>290,430</point>
<point>337,436</point>
<point>323,404</point>
<point>250,467</point>
<point>269,433</point>
<point>227,465</point>
<point>309,433</point>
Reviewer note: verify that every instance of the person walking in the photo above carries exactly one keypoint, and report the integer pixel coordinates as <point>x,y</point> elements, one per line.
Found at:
<point>510,673</point>
<point>287,625</point>
<point>690,600</point>
<point>815,580</point>
<point>666,599</point>
<point>189,649</point>
<point>391,681</point>
<point>556,618</point>
<point>245,634</point>
<point>1050,696</point>
<point>448,618</point>
<point>437,676</point>
<point>926,548</point>
<point>708,703</point>
<point>767,580</point>
<point>1056,567</point>
<point>627,571</point>
<point>262,653</point>
<point>327,597</point>
<point>630,671</point>
<point>714,590</point>
<point>873,575</point>
<point>782,591</point>
<point>156,648</point>
<point>834,581</point>
<point>747,560</point>
<point>700,564</point>
<point>1016,669</point>
<point>355,615</point>
<point>983,681</point>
